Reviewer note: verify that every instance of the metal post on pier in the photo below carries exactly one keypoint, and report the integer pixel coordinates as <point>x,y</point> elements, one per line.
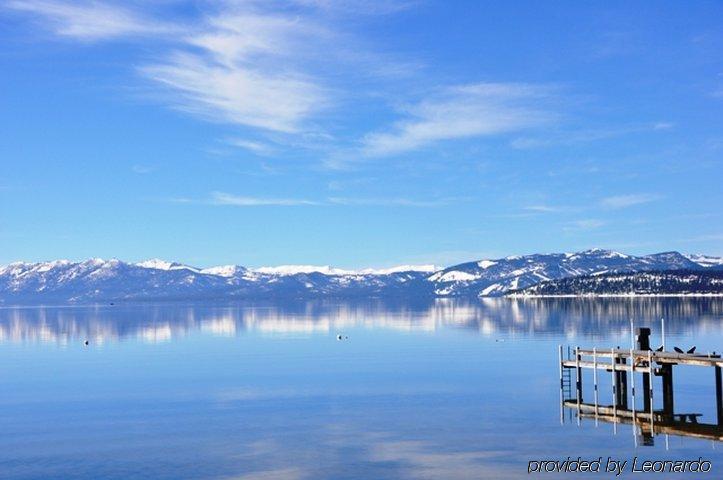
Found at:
<point>632,381</point>
<point>643,345</point>
<point>667,370</point>
<point>632,385</point>
<point>662,332</point>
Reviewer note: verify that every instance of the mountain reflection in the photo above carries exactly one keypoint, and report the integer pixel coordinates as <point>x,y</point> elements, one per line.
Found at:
<point>587,317</point>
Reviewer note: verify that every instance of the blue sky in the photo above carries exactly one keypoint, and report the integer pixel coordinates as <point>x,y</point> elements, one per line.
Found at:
<point>358,133</point>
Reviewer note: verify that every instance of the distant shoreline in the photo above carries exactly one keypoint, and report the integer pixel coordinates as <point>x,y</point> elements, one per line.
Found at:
<point>612,295</point>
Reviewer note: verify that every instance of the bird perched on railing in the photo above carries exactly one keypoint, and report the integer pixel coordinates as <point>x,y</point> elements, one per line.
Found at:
<point>691,350</point>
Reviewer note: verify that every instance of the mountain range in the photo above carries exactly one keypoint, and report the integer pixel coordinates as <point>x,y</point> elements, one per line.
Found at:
<point>98,280</point>
<point>667,282</point>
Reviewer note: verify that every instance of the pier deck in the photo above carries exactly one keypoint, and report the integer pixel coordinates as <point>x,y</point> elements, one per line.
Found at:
<point>623,365</point>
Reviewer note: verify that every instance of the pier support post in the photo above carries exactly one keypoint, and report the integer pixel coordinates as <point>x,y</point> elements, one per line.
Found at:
<point>621,381</point>
<point>644,344</point>
<point>624,386</point>
<point>562,388</point>
<point>719,395</point>
<point>666,371</point>
<point>578,375</point>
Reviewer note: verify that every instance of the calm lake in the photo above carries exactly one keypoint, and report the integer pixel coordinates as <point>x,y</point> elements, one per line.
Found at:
<point>439,389</point>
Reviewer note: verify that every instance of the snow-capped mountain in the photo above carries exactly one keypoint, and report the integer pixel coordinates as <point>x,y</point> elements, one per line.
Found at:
<point>115,280</point>
<point>496,277</point>
<point>98,280</point>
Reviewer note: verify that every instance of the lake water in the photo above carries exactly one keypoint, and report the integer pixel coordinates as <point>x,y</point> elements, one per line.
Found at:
<point>439,389</point>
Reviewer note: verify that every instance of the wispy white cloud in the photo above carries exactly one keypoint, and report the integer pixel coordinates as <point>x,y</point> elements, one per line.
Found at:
<point>462,112</point>
<point>571,138</point>
<point>237,94</point>
<point>709,237</point>
<point>274,66</point>
<point>425,460</point>
<point>228,199</point>
<point>584,224</point>
<point>142,169</point>
<point>246,67</point>
<point>263,65</point>
<point>91,20</point>
<point>291,473</point>
<point>222,198</point>
<point>624,201</point>
<point>258,148</point>
<point>359,7</point>
<point>243,63</point>
<point>545,209</point>
<point>393,202</point>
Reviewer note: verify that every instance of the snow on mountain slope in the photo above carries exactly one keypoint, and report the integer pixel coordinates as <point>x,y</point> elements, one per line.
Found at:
<point>398,269</point>
<point>672,260</point>
<point>225,270</point>
<point>705,260</point>
<point>327,270</point>
<point>158,264</point>
<point>296,269</point>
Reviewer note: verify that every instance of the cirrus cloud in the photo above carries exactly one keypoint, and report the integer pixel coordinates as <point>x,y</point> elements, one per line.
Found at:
<point>630,200</point>
<point>465,111</point>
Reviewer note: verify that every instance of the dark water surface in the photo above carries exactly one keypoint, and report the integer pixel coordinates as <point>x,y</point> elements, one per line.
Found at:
<point>432,390</point>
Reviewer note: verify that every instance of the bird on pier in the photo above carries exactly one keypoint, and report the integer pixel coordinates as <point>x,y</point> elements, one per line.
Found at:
<point>692,350</point>
<point>679,350</point>
<point>659,349</point>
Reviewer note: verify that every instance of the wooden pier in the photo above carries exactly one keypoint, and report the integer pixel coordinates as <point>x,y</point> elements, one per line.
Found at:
<point>622,365</point>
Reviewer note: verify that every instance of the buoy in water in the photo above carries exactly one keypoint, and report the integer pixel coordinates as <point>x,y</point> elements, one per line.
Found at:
<point>87,342</point>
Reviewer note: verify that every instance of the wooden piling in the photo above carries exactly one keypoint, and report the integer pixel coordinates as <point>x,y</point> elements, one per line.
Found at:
<point>651,401</point>
<point>594,380</point>
<point>623,385</point>
<point>615,385</point>
<point>578,376</point>
<point>666,372</point>
<point>643,345</point>
<point>719,395</point>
